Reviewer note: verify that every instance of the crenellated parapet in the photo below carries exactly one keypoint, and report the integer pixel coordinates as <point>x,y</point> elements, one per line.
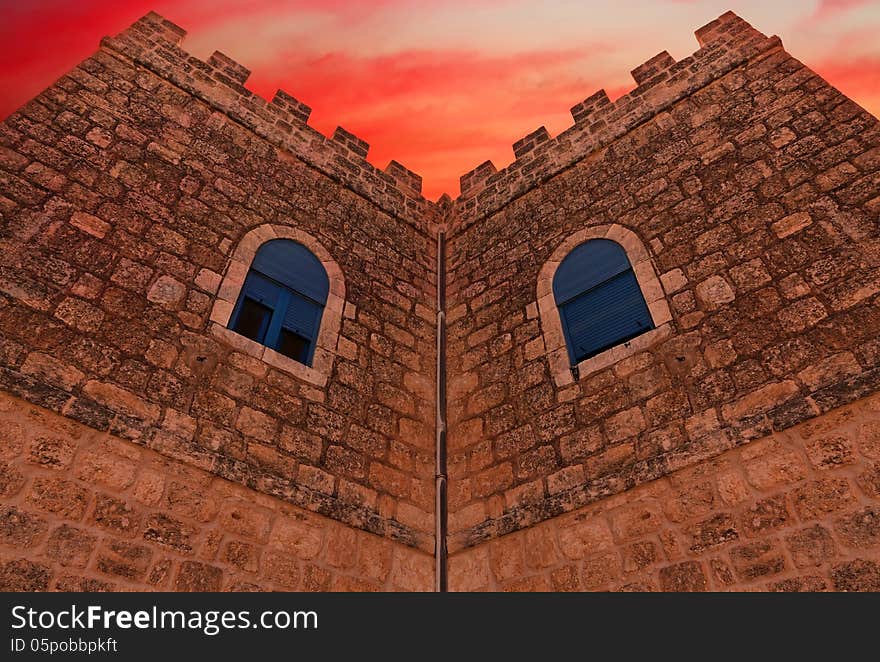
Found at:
<point>526,144</point>
<point>590,105</point>
<point>653,69</point>
<point>476,178</point>
<point>155,44</point>
<point>405,177</point>
<point>725,44</point>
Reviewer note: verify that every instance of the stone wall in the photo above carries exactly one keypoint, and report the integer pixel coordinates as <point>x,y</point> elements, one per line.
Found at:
<point>145,445</point>
<point>795,511</point>
<point>87,511</point>
<point>753,197</point>
<point>127,191</point>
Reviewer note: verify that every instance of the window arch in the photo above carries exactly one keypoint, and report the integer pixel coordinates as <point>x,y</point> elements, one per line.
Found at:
<point>552,342</point>
<point>282,299</point>
<point>228,287</point>
<point>599,299</point>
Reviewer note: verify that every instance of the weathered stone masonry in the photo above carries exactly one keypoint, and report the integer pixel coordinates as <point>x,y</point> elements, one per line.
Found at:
<point>752,187</point>
<point>132,190</point>
<point>143,445</point>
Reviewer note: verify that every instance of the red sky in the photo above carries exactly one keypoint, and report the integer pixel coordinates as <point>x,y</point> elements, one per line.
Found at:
<point>439,86</point>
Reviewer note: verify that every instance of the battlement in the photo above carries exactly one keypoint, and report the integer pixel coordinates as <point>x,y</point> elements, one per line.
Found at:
<point>653,69</point>
<point>582,111</point>
<point>154,43</point>
<point>153,27</point>
<point>299,112</point>
<point>404,177</point>
<point>725,43</point>
<point>471,180</point>
<point>229,67</point>
<point>526,144</point>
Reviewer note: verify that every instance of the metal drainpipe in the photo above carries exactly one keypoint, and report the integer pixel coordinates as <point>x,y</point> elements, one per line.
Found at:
<point>440,504</point>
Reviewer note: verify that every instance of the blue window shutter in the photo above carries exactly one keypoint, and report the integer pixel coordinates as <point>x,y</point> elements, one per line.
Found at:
<point>586,266</point>
<point>606,316</point>
<point>600,301</point>
<point>261,289</point>
<point>292,264</point>
<point>302,317</point>
<point>286,278</point>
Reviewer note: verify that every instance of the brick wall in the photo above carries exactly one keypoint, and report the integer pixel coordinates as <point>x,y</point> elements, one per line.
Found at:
<point>795,511</point>
<point>755,196</point>
<point>87,511</point>
<point>125,191</point>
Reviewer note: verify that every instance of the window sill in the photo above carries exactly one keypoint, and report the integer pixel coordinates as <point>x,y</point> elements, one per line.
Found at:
<point>311,374</point>
<point>230,287</point>
<point>562,372</point>
<point>552,342</point>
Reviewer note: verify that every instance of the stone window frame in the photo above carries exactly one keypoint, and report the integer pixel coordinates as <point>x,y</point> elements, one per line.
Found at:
<point>555,349</point>
<point>331,317</point>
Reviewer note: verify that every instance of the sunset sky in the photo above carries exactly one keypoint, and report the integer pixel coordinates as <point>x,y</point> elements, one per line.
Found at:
<point>439,86</point>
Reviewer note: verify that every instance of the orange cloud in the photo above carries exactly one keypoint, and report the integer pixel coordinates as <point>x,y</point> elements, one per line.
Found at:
<point>858,79</point>
<point>435,101</point>
<point>828,7</point>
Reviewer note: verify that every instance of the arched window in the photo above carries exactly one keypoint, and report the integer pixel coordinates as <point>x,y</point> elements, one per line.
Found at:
<point>599,299</point>
<point>282,299</point>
